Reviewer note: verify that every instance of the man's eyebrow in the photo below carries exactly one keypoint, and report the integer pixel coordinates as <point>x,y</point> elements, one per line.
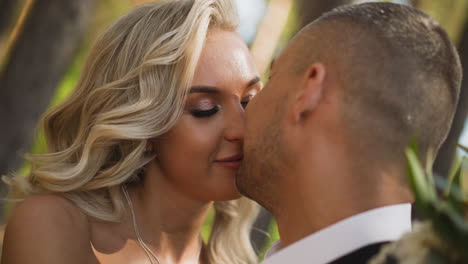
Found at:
<point>254,81</point>
<point>204,89</point>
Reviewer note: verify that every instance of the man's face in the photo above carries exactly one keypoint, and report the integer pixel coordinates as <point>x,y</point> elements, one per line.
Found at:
<point>264,152</point>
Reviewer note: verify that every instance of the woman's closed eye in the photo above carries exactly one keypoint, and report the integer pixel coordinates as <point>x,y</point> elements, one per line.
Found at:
<point>204,112</point>
<point>208,108</point>
<point>205,107</point>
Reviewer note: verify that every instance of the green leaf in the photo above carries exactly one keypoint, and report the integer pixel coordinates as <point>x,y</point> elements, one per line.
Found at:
<point>454,175</point>
<point>429,165</point>
<point>446,216</point>
<point>424,193</point>
<point>453,192</point>
<point>456,196</point>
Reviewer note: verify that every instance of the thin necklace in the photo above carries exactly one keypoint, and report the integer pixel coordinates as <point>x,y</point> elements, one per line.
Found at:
<point>151,255</point>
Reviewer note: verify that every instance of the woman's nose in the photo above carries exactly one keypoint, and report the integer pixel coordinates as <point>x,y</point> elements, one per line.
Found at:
<point>234,126</point>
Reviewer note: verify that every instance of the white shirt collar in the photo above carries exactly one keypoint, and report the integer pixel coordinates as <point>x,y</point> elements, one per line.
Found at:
<point>383,224</point>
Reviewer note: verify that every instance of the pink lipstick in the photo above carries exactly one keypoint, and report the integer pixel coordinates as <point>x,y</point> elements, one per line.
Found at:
<point>232,162</point>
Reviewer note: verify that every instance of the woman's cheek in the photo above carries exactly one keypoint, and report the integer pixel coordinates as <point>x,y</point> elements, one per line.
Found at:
<point>193,143</point>
<point>202,135</point>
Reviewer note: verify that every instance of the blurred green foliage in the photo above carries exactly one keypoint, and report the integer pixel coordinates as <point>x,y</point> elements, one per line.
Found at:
<point>442,201</point>
<point>272,237</point>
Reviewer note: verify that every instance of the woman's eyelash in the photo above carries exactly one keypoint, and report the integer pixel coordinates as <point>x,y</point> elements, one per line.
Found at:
<point>205,113</point>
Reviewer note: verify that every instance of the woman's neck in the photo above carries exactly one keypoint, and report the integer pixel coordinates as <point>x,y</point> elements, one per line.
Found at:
<point>168,221</point>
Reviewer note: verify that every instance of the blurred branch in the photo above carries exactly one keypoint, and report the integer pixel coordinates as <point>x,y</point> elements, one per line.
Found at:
<point>18,27</point>
<point>7,13</point>
<point>269,33</point>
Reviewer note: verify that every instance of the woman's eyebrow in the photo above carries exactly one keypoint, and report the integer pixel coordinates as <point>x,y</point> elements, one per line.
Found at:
<point>254,81</point>
<point>204,89</point>
<point>214,90</point>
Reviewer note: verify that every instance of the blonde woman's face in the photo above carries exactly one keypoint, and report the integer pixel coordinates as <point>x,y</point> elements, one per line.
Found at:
<point>203,151</point>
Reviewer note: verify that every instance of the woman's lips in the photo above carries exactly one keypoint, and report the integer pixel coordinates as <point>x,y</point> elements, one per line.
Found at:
<point>232,162</point>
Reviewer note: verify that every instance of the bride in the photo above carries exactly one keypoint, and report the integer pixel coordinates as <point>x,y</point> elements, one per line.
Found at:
<point>149,141</point>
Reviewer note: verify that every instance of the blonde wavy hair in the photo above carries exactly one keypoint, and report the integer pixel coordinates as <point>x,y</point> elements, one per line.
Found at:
<point>132,89</point>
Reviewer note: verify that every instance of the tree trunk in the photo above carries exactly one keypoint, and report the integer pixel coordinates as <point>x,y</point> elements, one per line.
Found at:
<point>7,13</point>
<point>447,151</point>
<point>37,63</point>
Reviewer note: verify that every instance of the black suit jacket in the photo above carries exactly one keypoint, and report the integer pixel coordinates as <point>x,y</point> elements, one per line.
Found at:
<point>362,255</point>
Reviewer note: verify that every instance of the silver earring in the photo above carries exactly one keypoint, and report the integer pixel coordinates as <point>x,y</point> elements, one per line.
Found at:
<point>149,149</point>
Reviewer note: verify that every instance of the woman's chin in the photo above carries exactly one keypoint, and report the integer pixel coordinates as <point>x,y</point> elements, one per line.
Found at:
<point>227,195</point>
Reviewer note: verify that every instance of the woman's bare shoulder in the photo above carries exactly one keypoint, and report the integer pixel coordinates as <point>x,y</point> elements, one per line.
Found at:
<point>48,207</point>
<point>47,229</point>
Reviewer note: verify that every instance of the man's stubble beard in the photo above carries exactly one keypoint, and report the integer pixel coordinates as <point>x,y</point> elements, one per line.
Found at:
<point>259,175</point>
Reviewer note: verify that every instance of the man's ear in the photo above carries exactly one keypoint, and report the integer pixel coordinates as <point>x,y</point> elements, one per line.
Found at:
<point>310,91</point>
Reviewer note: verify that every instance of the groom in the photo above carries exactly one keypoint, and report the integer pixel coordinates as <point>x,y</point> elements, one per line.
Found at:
<point>325,139</point>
